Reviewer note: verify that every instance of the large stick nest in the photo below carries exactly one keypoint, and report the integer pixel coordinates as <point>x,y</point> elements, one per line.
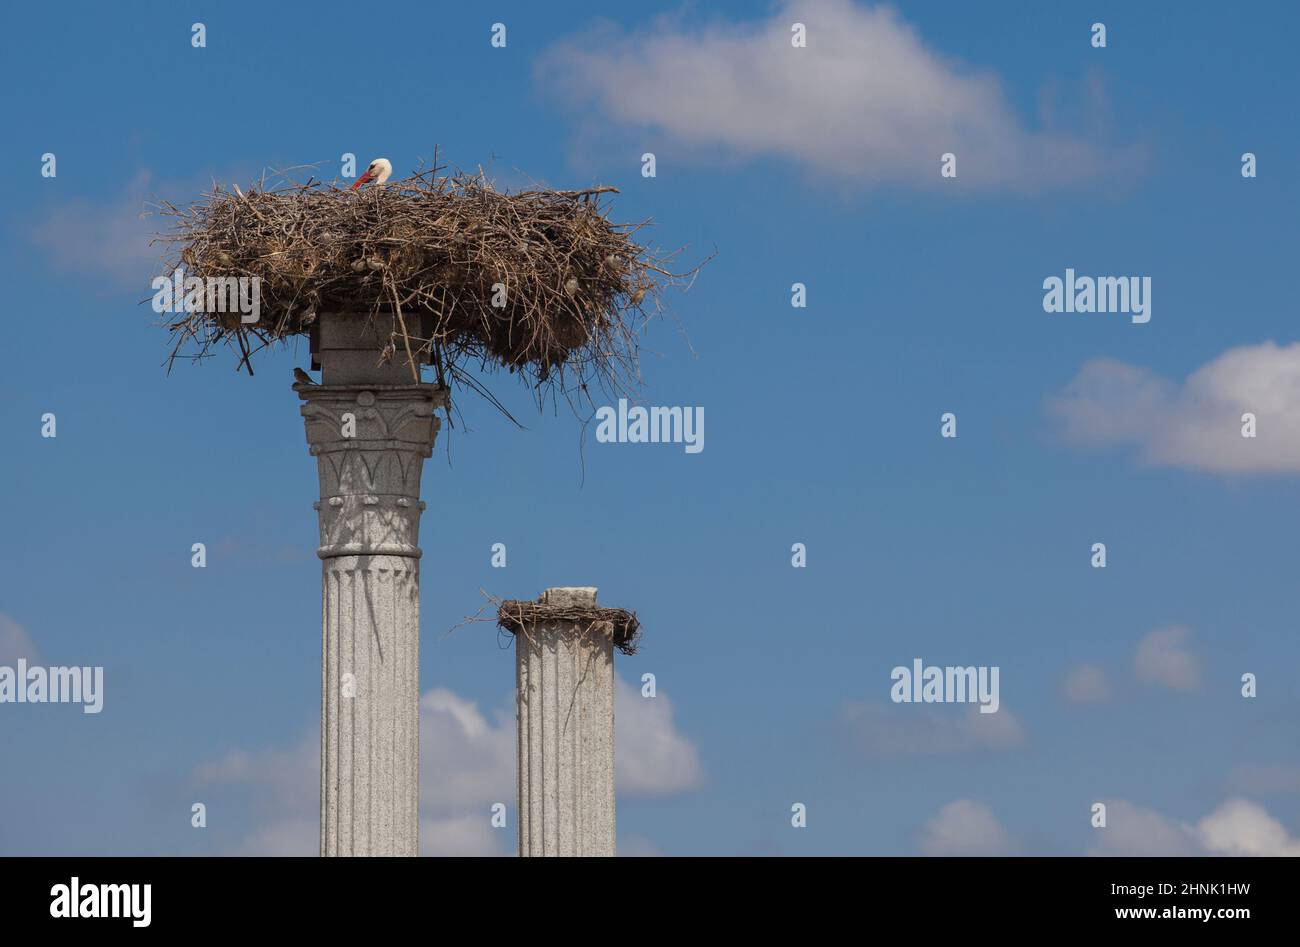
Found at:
<point>519,617</point>
<point>433,251</point>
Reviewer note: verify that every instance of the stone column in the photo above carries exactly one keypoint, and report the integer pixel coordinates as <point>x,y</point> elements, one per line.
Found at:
<point>565,699</point>
<point>370,441</point>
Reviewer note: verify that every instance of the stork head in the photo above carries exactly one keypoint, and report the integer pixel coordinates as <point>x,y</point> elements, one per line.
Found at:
<point>378,172</point>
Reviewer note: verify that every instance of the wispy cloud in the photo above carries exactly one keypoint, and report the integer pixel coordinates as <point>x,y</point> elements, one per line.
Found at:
<point>1086,684</point>
<point>286,779</point>
<point>881,730</point>
<point>1265,778</point>
<point>105,240</point>
<point>867,101</point>
<point>1195,424</point>
<point>637,846</point>
<point>1164,658</point>
<point>15,642</point>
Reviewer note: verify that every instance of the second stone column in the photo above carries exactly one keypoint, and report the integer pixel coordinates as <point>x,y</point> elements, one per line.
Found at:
<point>564,660</point>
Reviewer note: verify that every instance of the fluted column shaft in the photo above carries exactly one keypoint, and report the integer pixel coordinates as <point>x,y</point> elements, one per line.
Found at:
<point>370,444</point>
<point>565,699</point>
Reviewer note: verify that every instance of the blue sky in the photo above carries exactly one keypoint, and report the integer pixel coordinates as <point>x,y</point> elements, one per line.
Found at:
<point>924,297</point>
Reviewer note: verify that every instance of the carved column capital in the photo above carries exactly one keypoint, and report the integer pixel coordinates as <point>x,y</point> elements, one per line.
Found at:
<point>370,444</point>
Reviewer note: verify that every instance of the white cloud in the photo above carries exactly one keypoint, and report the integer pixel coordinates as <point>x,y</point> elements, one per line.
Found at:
<point>467,763</point>
<point>892,730</point>
<point>1086,684</point>
<point>1162,658</point>
<point>465,760</point>
<point>867,101</point>
<point>1136,831</point>
<point>1237,827</point>
<point>1195,424</point>
<point>283,838</point>
<point>651,757</point>
<point>964,827</point>
<point>15,642</point>
<point>465,835</point>
<point>1240,827</point>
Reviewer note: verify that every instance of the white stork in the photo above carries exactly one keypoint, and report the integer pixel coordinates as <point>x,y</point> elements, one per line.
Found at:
<point>378,172</point>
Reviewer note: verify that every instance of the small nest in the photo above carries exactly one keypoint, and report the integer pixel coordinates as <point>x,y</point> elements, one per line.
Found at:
<point>539,282</point>
<point>516,616</point>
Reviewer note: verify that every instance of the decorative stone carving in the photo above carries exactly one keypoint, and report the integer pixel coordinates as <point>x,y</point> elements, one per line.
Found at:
<point>370,444</point>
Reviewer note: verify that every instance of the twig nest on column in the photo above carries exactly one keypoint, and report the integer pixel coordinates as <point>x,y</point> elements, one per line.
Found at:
<point>540,282</point>
<point>517,617</point>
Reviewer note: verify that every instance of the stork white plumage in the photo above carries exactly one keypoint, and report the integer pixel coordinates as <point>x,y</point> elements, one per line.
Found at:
<point>378,173</point>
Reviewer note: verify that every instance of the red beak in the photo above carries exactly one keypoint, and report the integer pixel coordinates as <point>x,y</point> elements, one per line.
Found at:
<point>361,180</point>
